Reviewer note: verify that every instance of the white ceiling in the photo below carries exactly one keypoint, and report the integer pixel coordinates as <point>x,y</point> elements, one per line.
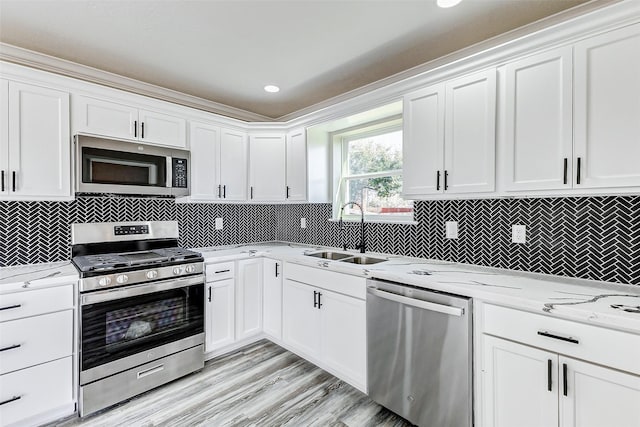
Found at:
<point>226,51</point>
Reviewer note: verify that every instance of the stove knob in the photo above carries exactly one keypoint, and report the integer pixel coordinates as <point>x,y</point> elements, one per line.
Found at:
<point>190,268</point>
<point>152,274</point>
<point>123,278</point>
<point>104,281</point>
<point>177,271</point>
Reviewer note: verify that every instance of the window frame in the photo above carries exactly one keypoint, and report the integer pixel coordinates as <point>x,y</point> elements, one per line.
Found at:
<point>341,148</point>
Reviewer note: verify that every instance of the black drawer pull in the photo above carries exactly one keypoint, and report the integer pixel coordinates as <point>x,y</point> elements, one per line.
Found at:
<point>13,399</point>
<point>9,307</point>
<point>222,271</point>
<point>11,347</point>
<point>558,337</point>
<point>549,374</point>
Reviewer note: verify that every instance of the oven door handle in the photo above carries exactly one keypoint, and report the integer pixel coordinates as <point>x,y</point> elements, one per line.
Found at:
<point>147,288</point>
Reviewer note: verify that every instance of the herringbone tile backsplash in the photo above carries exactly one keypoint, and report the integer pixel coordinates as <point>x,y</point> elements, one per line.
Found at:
<point>588,237</point>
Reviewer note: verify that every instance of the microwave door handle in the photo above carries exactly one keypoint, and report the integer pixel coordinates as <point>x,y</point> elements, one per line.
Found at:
<point>169,173</point>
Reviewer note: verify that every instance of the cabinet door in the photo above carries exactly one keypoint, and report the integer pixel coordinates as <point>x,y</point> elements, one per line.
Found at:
<point>39,142</point>
<point>106,118</point>
<point>267,154</point>
<point>204,140</point>
<point>469,136</point>
<point>538,123</point>
<point>343,335</point>
<point>220,314</point>
<point>423,142</point>
<point>598,396</point>
<point>4,136</point>
<point>607,109</point>
<point>272,307</point>
<point>249,298</point>
<point>517,390</point>
<point>296,189</point>
<point>300,319</point>
<point>160,128</point>
<point>233,155</point>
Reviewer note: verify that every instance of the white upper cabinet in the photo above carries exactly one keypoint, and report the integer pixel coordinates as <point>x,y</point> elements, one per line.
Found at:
<point>296,189</point>
<point>267,168</point>
<point>469,136</point>
<point>35,146</point>
<point>116,120</point>
<point>423,129</point>
<point>218,163</point>
<point>204,141</point>
<point>449,137</point>
<point>232,168</point>
<point>537,122</point>
<point>607,109</point>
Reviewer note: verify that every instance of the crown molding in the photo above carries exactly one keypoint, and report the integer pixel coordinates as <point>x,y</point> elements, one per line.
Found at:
<point>17,55</point>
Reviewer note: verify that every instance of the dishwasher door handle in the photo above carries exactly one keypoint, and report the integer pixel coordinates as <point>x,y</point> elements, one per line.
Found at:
<point>425,305</point>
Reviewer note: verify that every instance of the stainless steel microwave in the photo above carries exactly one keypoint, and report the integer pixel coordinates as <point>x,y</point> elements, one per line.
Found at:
<point>112,166</point>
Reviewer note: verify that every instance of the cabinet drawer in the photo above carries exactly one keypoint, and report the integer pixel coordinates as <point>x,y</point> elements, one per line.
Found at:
<point>34,340</point>
<point>330,280</point>
<point>620,350</point>
<point>30,303</point>
<point>220,271</point>
<point>29,392</point>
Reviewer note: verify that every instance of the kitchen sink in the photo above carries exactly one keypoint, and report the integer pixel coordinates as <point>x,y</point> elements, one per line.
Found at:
<point>364,260</point>
<point>330,255</point>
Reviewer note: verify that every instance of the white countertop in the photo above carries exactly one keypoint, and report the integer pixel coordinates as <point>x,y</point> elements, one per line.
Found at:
<point>575,299</point>
<point>32,276</point>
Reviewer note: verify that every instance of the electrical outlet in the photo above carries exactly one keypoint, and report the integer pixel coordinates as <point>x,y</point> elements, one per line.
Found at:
<point>219,224</point>
<point>303,222</point>
<point>519,234</point>
<point>452,229</point>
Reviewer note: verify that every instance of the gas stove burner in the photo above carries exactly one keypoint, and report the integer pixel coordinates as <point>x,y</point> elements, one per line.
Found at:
<point>627,308</point>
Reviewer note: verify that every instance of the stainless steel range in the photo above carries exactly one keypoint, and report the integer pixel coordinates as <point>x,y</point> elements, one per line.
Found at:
<point>141,309</point>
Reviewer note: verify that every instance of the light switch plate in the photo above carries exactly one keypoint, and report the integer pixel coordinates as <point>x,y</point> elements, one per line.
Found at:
<point>219,224</point>
<point>519,234</point>
<point>303,222</point>
<point>452,229</point>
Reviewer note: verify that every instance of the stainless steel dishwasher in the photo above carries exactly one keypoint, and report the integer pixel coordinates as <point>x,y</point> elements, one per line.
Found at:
<point>419,353</point>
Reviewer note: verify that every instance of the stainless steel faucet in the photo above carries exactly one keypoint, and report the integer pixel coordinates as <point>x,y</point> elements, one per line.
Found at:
<point>361,245</point>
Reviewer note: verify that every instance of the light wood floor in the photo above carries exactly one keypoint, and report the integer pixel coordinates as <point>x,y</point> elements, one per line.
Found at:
<point>258,385</point>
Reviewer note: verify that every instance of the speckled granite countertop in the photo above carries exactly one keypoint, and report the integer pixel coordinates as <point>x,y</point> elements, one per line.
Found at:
<point>33,276</point>
<point>598,303</point>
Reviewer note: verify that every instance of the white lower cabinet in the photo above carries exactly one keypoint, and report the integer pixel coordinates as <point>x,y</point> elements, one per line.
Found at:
<point>272,298</point>
<point>220,314</point>
<point>249,298</point>
<point>325,326</point>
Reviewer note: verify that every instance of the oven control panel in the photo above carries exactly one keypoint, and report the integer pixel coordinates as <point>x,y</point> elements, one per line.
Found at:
<point>125,230</point>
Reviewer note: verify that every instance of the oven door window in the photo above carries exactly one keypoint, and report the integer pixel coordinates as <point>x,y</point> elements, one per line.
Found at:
<point>101,166</point>
<point>115,329</point>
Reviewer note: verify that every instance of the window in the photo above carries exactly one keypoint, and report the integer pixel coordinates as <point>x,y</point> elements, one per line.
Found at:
<point>371,174</point>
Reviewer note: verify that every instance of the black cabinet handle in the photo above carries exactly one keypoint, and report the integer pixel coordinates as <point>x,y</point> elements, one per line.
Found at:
<point>14,180</point>
<point>2,181</point>
<point>558,337</point>
<point>252,192</point>
<point>549,374</point>
<point>287,191</point>
<point>9,307</point>
<point>438,181</point>
<point>135,129</point>
<point>315,299</point>
<point>578,172</point>
<point>11,347</point>
<point>209,294</point>
<point>13,399</point>
<point>319,296</point>
<point>277,273</point>
<point>224,191</point>
<point>222,271</point>
<point>142,130</point>
<point>219,191</point>
<point>564,379</point>
<point>446,180</point>
<point>565,170</point>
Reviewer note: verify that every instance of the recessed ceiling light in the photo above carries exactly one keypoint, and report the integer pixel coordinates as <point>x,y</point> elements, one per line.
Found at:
<point>448,3</point>
<point>271,88</point>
